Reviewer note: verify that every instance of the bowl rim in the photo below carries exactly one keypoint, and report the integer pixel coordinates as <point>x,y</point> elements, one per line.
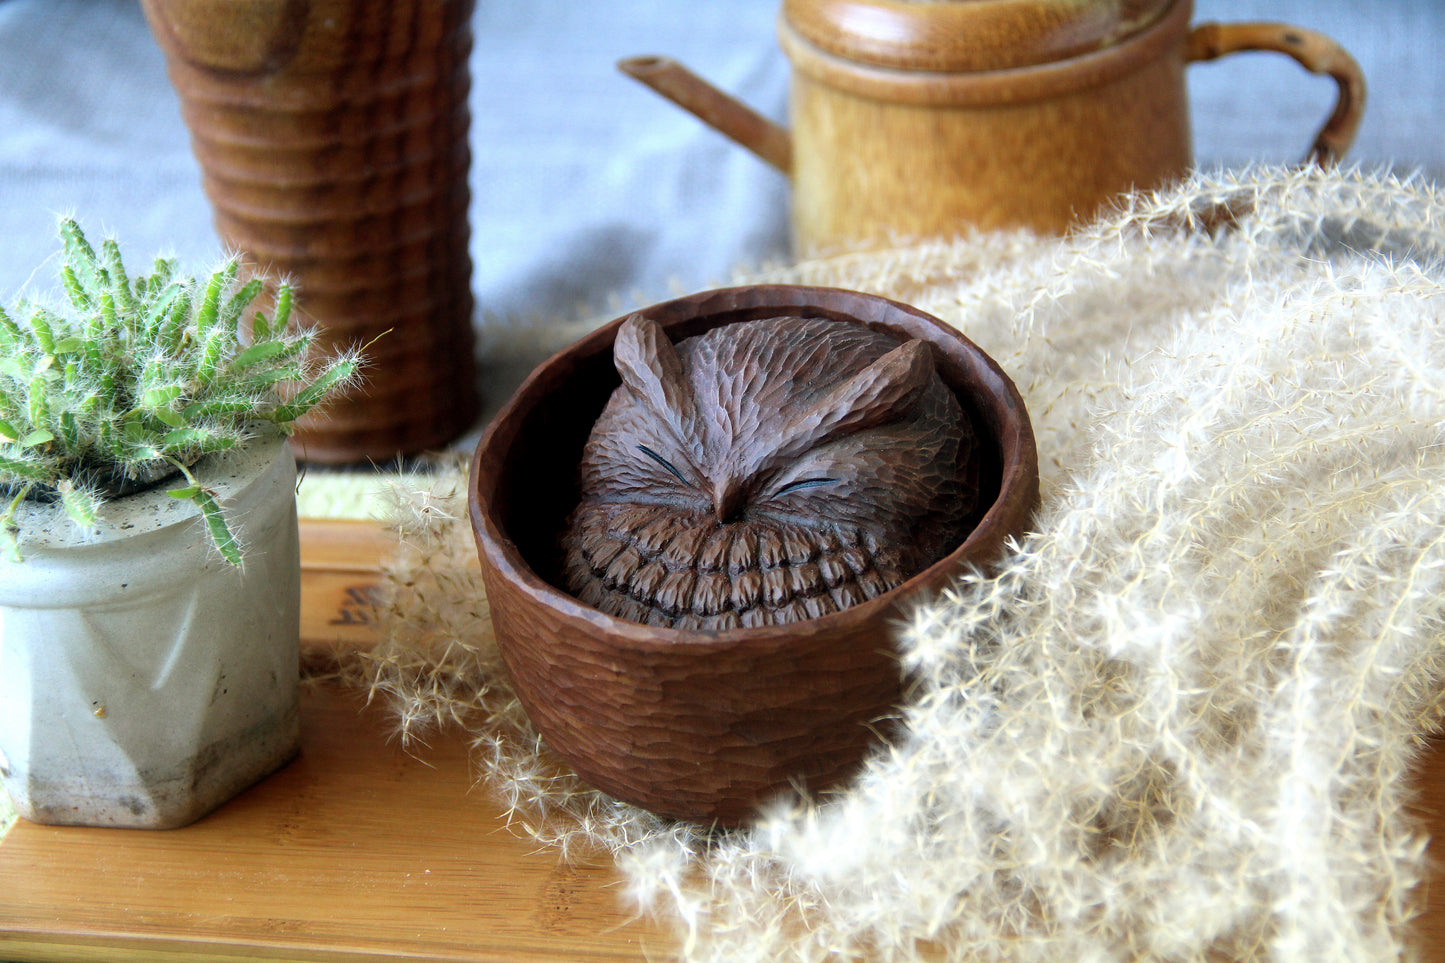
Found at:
<point>1018,493</point>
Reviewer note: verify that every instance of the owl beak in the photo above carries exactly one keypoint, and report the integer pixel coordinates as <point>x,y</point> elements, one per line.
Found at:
<point>728,497</point>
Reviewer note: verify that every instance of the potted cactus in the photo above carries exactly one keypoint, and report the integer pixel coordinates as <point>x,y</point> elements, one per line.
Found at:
<point>149,568</point>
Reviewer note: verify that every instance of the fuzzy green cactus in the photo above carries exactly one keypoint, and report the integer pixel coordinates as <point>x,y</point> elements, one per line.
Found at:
<point>142,377</point>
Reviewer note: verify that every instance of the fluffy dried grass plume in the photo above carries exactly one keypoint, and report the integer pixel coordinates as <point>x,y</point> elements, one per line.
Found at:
<point>1176,725</point>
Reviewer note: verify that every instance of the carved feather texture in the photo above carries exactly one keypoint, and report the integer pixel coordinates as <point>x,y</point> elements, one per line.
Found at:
<point>765,472</point>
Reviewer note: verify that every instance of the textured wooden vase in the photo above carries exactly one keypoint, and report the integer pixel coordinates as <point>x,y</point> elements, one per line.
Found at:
<point>914,120</point>
<point>332,141</point>
<point>708,725</point>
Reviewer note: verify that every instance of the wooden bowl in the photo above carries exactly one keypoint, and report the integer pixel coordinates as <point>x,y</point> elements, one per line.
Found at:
<point>697,725</point>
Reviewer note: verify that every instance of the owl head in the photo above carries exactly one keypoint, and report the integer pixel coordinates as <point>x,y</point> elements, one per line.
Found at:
<point>765,472</point>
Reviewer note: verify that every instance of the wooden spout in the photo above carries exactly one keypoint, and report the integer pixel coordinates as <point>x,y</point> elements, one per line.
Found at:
<point>718,110</point>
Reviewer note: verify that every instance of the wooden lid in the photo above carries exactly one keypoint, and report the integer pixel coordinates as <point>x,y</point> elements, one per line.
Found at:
<point>967,35</point>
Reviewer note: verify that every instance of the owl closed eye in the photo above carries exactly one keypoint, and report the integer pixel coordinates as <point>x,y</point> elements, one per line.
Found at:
<point>765,472</point>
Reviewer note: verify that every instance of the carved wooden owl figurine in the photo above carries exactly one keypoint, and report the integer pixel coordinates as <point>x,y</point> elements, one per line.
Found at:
<point>766,472</point>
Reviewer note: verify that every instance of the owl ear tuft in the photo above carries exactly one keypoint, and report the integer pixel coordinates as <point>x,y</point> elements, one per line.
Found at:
<point>651,369</point>
<point>884,391</point>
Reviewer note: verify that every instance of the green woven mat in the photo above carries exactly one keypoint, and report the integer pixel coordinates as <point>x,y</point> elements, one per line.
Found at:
<point>323,493</point>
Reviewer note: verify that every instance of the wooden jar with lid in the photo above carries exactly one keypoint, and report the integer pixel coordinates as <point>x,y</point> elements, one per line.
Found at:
<point>921,119</point>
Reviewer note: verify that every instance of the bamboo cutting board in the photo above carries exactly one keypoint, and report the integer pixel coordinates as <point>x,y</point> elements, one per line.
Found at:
<point>358,852</point>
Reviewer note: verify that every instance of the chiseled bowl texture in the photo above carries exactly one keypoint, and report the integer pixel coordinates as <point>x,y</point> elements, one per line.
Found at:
<point>699,725</point>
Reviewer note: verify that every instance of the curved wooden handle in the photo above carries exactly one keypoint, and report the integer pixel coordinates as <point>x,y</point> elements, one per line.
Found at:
<point>1315,52</point>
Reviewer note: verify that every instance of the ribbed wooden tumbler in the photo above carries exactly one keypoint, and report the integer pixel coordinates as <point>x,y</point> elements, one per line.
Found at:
<point>332,141</point>
<point>707,724</point>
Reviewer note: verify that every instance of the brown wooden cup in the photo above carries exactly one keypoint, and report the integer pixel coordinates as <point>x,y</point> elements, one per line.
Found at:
<point>697,725</point>
<point>332,140</point>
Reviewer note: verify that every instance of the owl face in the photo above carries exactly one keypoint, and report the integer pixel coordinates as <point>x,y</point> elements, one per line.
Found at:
<point>765,472</point>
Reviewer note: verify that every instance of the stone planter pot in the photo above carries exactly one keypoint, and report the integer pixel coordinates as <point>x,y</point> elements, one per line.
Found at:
<point>143,680</point>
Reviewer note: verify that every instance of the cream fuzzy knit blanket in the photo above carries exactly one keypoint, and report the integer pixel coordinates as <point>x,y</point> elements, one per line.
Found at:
<point>1175,725</point>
